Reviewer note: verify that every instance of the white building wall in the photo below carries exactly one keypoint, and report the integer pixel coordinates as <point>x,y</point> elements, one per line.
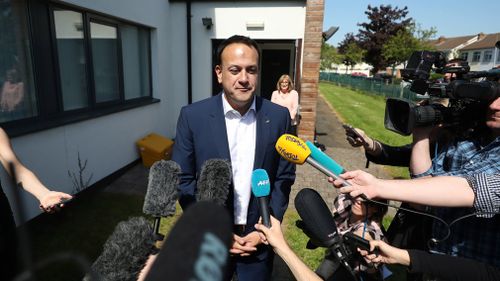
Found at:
<point>481,65</point>
<point>108,142</point>
<point>282,20</point>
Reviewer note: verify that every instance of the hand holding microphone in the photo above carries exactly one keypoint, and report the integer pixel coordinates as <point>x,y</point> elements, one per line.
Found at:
<point>261,189</point>
<point>363,184</point>
<point>161,195</point>
<point>295,150</point>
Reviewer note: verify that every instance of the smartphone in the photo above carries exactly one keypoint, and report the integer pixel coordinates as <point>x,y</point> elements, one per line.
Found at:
<point>61,202</point>
<point>352,132</point>
<point>354,241</point>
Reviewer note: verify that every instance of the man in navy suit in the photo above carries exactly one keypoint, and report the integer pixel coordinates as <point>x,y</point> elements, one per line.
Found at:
<point>238,126</point>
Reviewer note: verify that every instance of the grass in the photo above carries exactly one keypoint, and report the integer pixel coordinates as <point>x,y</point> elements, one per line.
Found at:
<point>81,229</point>
<point>365,111</point>
<point>298,240</point>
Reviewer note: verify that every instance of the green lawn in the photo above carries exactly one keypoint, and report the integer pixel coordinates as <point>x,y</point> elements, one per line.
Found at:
<point>365,111</point>
<point>81,229</point>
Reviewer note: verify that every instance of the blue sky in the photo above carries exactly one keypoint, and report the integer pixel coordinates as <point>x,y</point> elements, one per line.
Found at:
<point>450,17</point>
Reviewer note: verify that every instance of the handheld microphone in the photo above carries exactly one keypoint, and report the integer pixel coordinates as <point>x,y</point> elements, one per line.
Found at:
<point>197,247</point>
<point>324,159</point>
<point>214,181</point>
<point>261,189</point>
<point>294,150</point>
<point>161,195</point>
<point>126,251</point>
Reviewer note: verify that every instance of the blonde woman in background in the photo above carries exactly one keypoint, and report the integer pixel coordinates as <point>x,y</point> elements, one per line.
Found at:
<point>286,96</point>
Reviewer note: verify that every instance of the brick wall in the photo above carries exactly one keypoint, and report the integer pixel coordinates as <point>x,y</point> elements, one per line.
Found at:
<point>310,67</point>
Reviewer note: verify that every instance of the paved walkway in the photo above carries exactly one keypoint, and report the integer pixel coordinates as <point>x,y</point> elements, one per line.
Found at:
<point>331,134</point>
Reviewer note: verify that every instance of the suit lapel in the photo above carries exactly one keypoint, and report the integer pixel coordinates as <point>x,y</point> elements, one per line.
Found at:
<point>218,128</point>
<point>263,125</point>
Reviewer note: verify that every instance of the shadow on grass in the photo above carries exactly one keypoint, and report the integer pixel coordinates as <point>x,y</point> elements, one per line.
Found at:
<point>80,228</point>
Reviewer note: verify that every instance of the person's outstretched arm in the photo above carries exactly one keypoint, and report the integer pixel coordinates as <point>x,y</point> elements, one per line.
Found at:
<point>274,237</point>
<point>442,266</point>
<point>48,199</point>
<point>446,191</point>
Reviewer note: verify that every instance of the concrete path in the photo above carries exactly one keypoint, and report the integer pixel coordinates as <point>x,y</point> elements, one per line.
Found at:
<point>331,134</point>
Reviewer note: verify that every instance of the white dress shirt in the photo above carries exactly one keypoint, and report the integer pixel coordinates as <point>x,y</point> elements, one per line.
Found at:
<point>241,137</point>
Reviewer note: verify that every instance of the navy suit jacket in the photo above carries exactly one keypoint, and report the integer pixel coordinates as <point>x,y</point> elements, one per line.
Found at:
<point>202,135</point>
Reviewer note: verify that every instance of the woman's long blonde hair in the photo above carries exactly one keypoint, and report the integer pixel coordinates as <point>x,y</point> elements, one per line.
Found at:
<point>290,82</point>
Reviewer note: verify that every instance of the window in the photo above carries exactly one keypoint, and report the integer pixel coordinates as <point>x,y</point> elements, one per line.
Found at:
<point>84,65</point>
<point>464,56</point>
<point>105,62</point>
<point>17,92</point>
<point>118,59</point>
<point>476,56</point>
<point>488,54</point>
<point>72,58</point>
<point>135,57</point>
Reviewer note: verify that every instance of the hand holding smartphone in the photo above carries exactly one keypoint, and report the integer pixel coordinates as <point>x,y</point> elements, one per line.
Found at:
<point>354,241</point>
<point>353,136</point>
<point>56,206</point>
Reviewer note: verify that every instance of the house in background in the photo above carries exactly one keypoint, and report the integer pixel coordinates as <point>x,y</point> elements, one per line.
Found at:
<point>482,54</point>
<point>96,75</point>
<point>451,46</point>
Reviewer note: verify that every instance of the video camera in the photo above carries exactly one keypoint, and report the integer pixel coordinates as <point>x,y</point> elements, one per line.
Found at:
<point>467,97</point>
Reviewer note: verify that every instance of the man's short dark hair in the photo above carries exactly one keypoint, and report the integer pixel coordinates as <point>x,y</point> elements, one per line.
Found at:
<point>232,40</point>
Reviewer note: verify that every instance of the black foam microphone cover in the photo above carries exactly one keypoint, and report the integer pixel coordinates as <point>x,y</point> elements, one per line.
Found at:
<point>197,247</point>
<point>126,251</point>
<point>214,181</point>
<point>162,193</point>
<point>316,217</point>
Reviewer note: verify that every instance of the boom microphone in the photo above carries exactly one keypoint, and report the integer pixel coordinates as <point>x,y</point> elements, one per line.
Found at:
<point>294,150</point>
<point>125,251</point>
<point>261,189</point>
<point>317,217</point>
<point>319,221</point>
<point>162,194</point>
<point>214,181</point>
<point>197,247</point>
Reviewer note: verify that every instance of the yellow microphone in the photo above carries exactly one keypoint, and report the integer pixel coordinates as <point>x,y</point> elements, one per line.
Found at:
<point>295,150</point>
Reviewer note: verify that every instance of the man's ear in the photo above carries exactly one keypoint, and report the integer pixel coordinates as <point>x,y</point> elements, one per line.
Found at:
<point>218,72</point>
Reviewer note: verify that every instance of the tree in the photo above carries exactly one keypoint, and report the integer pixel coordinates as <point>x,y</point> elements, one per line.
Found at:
<point>352,55</point>
<point>348,39</point>
<point>384,23</point>
<point>399,48</point>
<point>329,56</point>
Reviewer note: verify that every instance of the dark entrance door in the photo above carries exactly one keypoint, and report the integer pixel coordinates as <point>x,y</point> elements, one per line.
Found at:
<point>274,64</point>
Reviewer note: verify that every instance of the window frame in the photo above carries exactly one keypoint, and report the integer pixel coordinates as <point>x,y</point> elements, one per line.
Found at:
<point>474,53</point>
<point>464,56</point>
<point>47,75</point>
<point>487,53</point>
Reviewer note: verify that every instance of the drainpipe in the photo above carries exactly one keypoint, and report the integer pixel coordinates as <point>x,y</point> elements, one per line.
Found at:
<point>189,57</point>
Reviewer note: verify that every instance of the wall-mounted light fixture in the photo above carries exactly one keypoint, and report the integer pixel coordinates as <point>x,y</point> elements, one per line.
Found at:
<point>207,22</point>
<point>255,25</point>
<point>329,33</point>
